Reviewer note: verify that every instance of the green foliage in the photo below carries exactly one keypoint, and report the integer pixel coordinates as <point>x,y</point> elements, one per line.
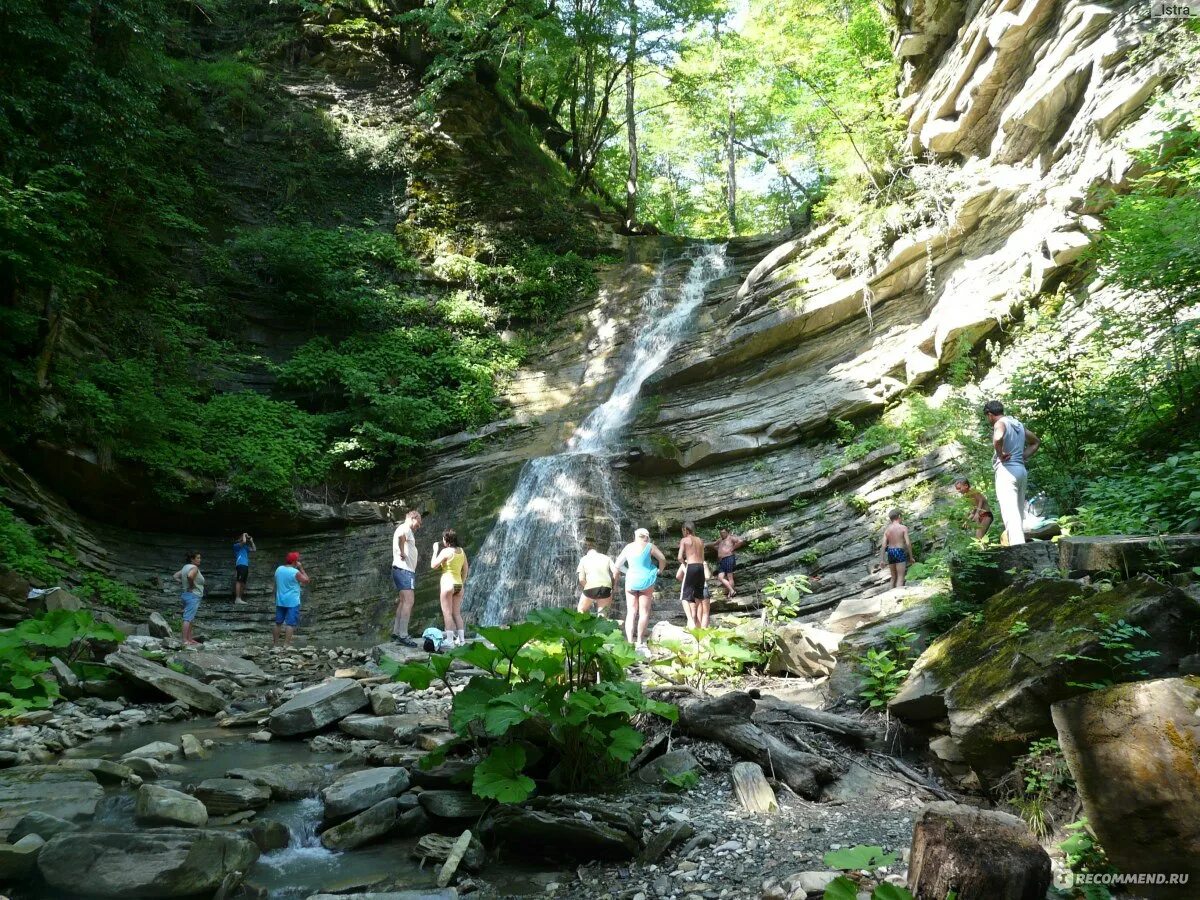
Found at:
<point>1043,775</point>
<point>553,703</point>
<point>706,655</point>
<point>764,545</point>
<point>682,781</point>
<point>21,551</point>
<point>1163,497</point>
<point>1083,854</point>
<point>103,590</point>
<point>24,650</point>
<point>880,677</point>
<point>858,858</point>
<point>781,599</point>
<point>859,504</point>
<point>810,558</point>
<point>1117,651</point>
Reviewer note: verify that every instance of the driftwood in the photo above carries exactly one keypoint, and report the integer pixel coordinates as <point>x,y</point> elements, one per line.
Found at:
<point>751,789</point>
<point>726,719</point>
<point>771,709</point>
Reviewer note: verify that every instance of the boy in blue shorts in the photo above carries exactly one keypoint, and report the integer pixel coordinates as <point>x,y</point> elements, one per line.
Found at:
<point>897,548</point>
<point>288,579</point>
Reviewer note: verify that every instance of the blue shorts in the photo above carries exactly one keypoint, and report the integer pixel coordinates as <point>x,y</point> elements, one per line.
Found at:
<point>287,615</point>
<point>896,555</point>
<point>191,605</point>
<point>404,579</point>
<point>726,564</point>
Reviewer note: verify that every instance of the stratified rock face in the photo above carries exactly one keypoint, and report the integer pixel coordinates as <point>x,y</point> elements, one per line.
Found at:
<point>1134,751</point>
<point>66,793</point>
<point>167,681</point>
<point>165,862</point>
<point>964,851</point>
<point>317,706</point>
<point>369,825</point>
<point>995,681</point>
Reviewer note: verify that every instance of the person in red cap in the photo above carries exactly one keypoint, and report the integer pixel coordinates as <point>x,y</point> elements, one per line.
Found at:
<point>288,579</point>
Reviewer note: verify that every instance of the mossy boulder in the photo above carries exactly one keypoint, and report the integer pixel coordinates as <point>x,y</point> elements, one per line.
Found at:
<point>994,676</point>
<point>1134,751</point>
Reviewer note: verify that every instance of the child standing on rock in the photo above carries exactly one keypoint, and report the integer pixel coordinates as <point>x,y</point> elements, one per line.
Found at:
<point>288,579</point>
<point>897,548</point>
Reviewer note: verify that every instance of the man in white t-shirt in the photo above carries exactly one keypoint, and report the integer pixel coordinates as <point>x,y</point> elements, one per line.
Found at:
<point>595,574</point>
<point>404,574</point>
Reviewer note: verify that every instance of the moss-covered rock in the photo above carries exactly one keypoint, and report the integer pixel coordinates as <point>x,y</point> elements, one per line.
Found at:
<point>995,675</point>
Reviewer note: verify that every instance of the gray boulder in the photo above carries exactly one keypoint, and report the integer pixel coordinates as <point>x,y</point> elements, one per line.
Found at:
<point>369,825</point>
<point>1134,750</point>
<point>222,796</point>
<point>452,805</point>
<point>286,781</point>
<point>270,834</point>
<point>674,762</point>
<point>65,793</point>
<point>156,805</point>
<point>174,684</point>
<point>40,823</point>
<point>105,770</point>
<point>144,767</point>
<point>159,626</point>
<point>160,750</point>
<point>317,706</point>
<point>538,833</point>
<point>18,859</point>
<point>164,862</point>
<point>357,791</point>
<point>804,650</point>
<point>995,681</point>
<point>212,666</point>
<point>401,728</point>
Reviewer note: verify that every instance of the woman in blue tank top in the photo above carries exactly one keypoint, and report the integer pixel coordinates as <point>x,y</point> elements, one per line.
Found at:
<point>645,563</point>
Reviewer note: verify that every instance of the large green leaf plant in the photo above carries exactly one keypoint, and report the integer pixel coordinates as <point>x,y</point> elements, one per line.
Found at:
<point>549,701</point>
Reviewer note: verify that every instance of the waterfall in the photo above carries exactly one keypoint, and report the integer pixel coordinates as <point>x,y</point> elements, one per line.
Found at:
<point>528,559</point>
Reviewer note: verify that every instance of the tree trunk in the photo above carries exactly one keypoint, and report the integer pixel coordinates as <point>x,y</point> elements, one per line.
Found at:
<point>631,181</point>
<point>975,853</point>
<point>731,169</point>
<point>772,708</point>
<point>727,719</point>
<point>751,789</point>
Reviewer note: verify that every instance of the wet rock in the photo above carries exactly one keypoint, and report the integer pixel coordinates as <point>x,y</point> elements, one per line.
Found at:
<point>315,707</point>
<point>164,862</point>
<point>995,682</point>
<point>159,627</point>
<point>222,796</point>
<point>174,684</point>
<point>448,776</point>
<point>153,769</point>
<point>286,781</point>
<point>160,750</point>
<point>359,790</point>
<point>40,823</point>
<point>674,762</point>
<point>191,746</point>
<point>66,793</point>
<point>975,853</point>
<point>270,834</point>
<point>452,805</point>
<point>1134,750</point>
<point>157,805</point>
<point>105,770</point>
<point>68,681</point>
<point>401,728</point>
<point>18,859</point>
<point>369,825</point>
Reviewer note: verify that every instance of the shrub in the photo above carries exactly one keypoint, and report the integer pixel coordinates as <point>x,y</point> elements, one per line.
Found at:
<point>23,652</point>
<point>553,702</point>
<point>707,655</point>
<point>110,593</point>
<point>21,551</point>
<point>764,545</point>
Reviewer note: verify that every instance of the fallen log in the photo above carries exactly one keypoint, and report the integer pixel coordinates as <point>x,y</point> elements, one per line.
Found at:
<point>852,730</point>
<point>726,719</point>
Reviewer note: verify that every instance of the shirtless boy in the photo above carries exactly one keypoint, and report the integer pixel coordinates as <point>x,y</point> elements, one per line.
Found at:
<point>981,513</point>
<point>726,546</point>
<point>692,594</point>
<point>897,549</point>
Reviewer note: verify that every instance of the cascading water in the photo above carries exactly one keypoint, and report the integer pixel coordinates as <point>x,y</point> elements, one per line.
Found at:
<point>529,558</point>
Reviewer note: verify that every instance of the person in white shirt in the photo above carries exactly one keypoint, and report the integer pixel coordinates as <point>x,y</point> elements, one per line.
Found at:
<point>404,574</point>
<point>595,575</point>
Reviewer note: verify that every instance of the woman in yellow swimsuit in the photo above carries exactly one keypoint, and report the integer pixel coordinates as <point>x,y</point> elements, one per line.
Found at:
<point>452,560</point>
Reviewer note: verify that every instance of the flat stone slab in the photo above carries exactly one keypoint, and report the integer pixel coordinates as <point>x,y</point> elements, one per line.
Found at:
<point>401,728</point>
<point>175,685</point>
<point>369,825</point>
<point>287,781</point>
<point>452,804</point>
<point>222,796</point>
<point>105,770</point>
<point>163,862</point>
<point>160,750</point>
<point>210,666</point>
<point>157,805</point>
<point>318,706</point>
<point>1128,555</point>
<point>65,793</point>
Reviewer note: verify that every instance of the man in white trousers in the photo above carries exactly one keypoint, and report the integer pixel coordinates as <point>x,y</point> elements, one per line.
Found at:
<point>1013,446</point>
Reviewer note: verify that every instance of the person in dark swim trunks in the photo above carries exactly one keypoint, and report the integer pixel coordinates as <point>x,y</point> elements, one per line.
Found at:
<point>692,594</point>
<point>897,548</point>
<point>242,548</point>
<point>726,546</point>
<point>981,513</point>
<point>595,575</point>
